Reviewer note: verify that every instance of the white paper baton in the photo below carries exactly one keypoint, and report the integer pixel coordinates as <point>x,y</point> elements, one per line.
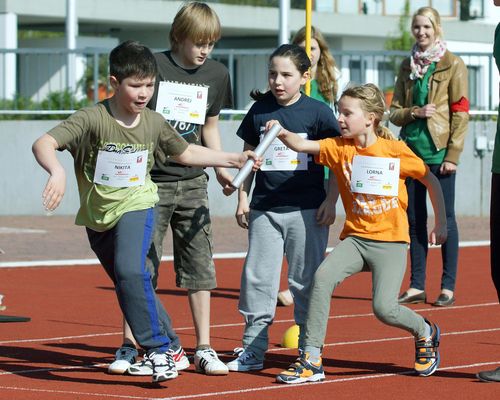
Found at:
<point>259,150</point>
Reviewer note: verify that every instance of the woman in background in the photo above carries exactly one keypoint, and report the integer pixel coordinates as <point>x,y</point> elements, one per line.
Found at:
<point>431,106</point>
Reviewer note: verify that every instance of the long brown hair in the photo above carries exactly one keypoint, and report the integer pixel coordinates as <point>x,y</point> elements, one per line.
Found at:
<point>326,67</point>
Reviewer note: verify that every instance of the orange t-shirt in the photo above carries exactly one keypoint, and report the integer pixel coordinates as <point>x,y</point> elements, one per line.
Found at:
<point>373,217</point>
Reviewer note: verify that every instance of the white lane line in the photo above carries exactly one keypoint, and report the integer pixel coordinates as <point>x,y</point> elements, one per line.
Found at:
<point>216,256</point>
<point>325,382</point>
<point>10,231</point>
<point>249,390</point>
<point>99,395</point>
<point>215,326</point>
<point>351,343</point>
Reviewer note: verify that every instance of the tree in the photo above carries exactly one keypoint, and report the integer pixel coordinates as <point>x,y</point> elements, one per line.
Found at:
<point>404,40</point>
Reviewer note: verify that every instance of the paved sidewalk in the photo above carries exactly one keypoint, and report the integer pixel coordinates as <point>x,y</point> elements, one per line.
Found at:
<point>32,238</point>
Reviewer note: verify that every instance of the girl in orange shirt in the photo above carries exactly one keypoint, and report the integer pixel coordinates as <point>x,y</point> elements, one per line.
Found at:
<point>371,168</point>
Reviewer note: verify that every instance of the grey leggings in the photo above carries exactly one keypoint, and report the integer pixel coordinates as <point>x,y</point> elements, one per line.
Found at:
<point>387,263</point>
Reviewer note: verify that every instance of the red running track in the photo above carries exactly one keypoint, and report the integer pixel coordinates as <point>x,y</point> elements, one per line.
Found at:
<point>63,352</point>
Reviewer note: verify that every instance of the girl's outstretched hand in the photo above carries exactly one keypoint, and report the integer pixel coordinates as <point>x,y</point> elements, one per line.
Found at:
<point>271,123</point>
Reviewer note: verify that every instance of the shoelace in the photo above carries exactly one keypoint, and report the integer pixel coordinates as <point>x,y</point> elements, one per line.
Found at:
<point>160,359</point>
<point>125,353</point>
<point>243,354</point>
<point>209,352</point>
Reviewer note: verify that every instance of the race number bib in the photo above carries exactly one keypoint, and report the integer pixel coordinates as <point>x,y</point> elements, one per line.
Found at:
<point>121,170</point>
<point>278,157</point>
<point>375,175</point>
<point>182,102</point>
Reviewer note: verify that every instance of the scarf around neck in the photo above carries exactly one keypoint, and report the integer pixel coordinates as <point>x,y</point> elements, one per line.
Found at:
<point>421,60</point>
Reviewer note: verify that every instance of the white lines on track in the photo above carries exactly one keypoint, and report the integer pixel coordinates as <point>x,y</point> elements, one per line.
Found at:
<point>351,343</point>
<point>217,256</point>
<point>66,392</point>
<point>282,321</point>
<point>249,390</point>
<point>10,231</point>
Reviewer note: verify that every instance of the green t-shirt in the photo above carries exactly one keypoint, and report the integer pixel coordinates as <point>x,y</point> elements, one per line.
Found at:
<point>417,134</point>
<point>316,94</point>
<point>92,129</point>
<point>496,152</point>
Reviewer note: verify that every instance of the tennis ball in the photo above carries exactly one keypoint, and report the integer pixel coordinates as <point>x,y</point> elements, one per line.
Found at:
<point>291,337</point>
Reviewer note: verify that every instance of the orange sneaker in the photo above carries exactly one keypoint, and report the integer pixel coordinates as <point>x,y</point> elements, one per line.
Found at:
<point>427,356</point>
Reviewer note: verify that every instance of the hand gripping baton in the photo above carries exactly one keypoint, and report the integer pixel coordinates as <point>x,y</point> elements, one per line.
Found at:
<point>259,150</point>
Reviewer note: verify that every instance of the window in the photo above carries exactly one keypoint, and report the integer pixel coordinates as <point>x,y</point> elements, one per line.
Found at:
<point>473,73</point>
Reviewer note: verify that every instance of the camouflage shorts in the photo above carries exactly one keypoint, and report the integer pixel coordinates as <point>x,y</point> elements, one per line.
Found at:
<point>183,206</point>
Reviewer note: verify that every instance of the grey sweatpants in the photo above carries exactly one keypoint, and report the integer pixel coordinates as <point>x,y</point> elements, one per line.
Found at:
<point>303,241</point>
<point>122,252</point>
<point>387,263</point>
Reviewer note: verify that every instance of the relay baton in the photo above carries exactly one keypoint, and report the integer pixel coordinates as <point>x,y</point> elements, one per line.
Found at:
<point>259,150</point>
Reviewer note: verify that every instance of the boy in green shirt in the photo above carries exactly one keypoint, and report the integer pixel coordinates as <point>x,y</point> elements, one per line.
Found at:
<point>114,145</point>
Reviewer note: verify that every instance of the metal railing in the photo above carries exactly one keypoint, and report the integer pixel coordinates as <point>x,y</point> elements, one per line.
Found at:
<point>35,81</point>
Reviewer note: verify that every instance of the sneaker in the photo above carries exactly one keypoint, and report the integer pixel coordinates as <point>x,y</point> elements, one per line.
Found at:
<point>180,358</point>
<point>207,362</point>
<point>302,371</point>
<point>489,376</point>
<point>427,356</point>
<point>124,358</point>
<point>145,368</point>
<point>163,366</point>
<point>246,361</point>
<point>141,368</point>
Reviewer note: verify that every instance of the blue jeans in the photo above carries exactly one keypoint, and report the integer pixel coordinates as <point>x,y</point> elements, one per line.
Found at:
<point>122,252</point>
<point>417,218</point>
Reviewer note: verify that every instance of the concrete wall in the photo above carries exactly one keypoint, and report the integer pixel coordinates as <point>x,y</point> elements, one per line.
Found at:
<point>22,180</point>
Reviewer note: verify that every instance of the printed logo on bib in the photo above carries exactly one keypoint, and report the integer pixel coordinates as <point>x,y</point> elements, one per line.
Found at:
<point>364,203</point>
<point>182,102</point>
<point>121,167</point>
<point>278,157</point>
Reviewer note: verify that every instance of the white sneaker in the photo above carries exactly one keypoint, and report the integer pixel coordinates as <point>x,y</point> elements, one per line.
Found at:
<point>207,362</point>
<point>163,366</point>
<point>124,358</point>
<point>246,361</point>
<point>145,368</point>
<point>180,358</point>
<point>141,368</point>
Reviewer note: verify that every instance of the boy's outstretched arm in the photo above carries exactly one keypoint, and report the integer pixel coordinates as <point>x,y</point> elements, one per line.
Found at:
<point>44,150</point>
<point>294,141</point>
<point>199,156</point>
<point>440,232</point>
<point>211,138</point>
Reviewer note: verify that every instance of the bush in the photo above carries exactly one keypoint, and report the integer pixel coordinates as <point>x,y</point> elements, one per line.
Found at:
<point>60,100</point>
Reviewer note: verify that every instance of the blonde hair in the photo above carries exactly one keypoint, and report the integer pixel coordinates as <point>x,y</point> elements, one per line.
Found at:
<point>433,16</point>
<point>195,21</point>
<point>372,101</point>
<point>325,70</point>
